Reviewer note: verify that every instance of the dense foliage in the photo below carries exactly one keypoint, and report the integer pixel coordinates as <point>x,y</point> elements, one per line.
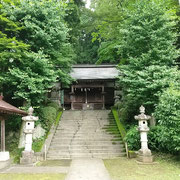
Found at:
<point>141,37</point>
<point>167,113</point>
<point>40,51</point>
<point>148,57</point>
<point>110,17</point>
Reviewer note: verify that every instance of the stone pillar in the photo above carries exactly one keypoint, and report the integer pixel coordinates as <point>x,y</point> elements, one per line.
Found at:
<point>28,153</point>
<point>144,154</point>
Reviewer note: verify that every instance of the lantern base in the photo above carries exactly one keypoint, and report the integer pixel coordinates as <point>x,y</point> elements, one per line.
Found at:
<point>145,159</point>
<point>27,157</point>
<point>145,156</point>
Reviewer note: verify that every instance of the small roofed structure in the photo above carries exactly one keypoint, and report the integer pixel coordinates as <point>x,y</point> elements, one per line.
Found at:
<point>93,87</point>
<point>6,108</point>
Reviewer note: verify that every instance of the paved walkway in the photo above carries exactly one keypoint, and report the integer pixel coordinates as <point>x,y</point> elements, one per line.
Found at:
<point>34,170</point>
<point>87,169</point>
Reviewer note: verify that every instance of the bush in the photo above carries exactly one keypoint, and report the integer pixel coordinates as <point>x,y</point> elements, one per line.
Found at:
<point>167,113</point>
<point>155,138</point>
<point>133,139</point>
<point>47,116</point>
<point>54,105</point>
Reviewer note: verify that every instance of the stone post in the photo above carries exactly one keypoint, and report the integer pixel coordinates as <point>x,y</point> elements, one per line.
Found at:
<point>144,154</point>
<point>28,153</point>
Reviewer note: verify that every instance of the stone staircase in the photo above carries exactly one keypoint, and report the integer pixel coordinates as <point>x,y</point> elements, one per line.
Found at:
<point>90,134</point>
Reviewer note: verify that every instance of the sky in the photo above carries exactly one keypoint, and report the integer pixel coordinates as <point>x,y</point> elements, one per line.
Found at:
<point>88,2</point>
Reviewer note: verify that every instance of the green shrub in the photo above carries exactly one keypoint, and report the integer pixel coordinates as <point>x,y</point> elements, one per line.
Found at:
<point>155,139</point>
<point>54,105</point>
<point>37,144</point>
<point>47,116</point>
<point>167,114</point>
<point>133,139</point>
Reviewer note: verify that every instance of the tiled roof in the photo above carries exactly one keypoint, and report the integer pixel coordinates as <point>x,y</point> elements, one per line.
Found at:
<point>94,72</point>
<point>7,108</point>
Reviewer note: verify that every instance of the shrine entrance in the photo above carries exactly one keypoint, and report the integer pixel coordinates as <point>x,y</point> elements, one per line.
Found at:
<point>89,96</point>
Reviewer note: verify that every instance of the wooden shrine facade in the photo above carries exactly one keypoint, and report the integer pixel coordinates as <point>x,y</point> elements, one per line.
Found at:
<point>93,87</point>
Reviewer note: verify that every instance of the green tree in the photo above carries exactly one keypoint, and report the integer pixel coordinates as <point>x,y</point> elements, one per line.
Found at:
<point>79,20</point>
<point>24,74</point>
<point>147,52</point>
<point>11,50</point>
<point>31,79</point>
<point>88,49</point>
<point>110,16</point>
<point>45,30</point>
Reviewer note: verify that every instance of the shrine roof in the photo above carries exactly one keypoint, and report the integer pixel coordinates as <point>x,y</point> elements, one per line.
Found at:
<point>7,108</point>
<point>94,72</point>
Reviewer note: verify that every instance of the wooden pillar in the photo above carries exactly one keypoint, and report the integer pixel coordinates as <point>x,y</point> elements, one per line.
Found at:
<point>2,134</point>
<point>86,100</point>
<point>72,97</point>
<point>103,97</point>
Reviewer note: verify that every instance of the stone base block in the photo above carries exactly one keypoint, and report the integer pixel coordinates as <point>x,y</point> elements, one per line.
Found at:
<point>27,157</point>
<point>4,164</point>
<point>144,152</point>
<point>145,159</point>
<point>4,156</point>
<point>132,154</point>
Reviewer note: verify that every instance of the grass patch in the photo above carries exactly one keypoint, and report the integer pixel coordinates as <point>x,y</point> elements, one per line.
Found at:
<point>52,163</point>
<point>118,122</point>
<point>58,118</point>
<point>32,176</point>
<point>128,169</point>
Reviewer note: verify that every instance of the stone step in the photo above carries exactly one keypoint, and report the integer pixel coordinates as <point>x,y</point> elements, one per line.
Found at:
<point>86,136</point>
<point>83,124</point>
<point>83,130</point>
<point>86,139</point>
<point>74,147</point>
<point>98,143</point>
<point>98,133</point>
<point>86,155</point>
<point>85,119</point>
<point>74,151</point>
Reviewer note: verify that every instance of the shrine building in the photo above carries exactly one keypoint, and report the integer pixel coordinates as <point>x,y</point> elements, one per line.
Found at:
<point>93,87</point>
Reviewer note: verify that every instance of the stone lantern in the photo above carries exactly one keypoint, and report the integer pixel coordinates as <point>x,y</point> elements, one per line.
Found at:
<point>144,154</point>
<point>28,153</point>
